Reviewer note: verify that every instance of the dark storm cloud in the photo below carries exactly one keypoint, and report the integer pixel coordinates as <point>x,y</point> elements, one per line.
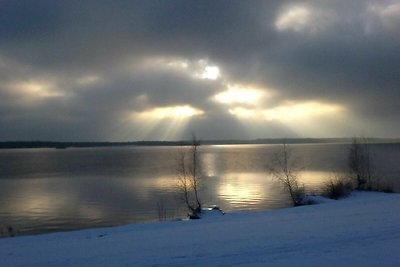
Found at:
<point>331,51</point>
<point>89,32</point>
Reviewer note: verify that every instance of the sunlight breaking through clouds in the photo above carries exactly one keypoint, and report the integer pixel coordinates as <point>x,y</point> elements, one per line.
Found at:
<point>199,69</point>
<point>185,111</point>
<point>210,72</point>
<point>305,110</point>
<point>254,108</point>
<point>251,73</point>
<point>309,118</point>
<point>244,113</point>
<point>240,95</point>
<point>169,121</point>
<point>204,70</point>
<point>31,91</point>
<point>288,112</point>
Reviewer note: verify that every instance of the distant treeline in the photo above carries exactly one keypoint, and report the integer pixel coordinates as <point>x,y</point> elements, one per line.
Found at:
<point>63,145</point>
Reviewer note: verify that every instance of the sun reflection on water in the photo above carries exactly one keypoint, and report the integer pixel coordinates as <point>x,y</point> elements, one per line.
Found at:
<point>209,164</point>
<point>242,189</point>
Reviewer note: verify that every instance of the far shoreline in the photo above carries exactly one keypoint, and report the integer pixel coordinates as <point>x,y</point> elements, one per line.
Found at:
<point>271,141</point>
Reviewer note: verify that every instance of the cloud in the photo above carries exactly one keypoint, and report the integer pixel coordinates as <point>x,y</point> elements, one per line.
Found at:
<point>304,19</point>
<point>76,70</point>
<point>383,16</point>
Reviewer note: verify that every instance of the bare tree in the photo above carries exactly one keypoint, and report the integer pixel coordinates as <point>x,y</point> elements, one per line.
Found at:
<point>189,177</point>
<point>360,164</point>
<point>284,168</point>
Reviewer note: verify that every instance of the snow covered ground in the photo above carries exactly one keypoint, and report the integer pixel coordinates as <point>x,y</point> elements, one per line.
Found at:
<point>362,230</point>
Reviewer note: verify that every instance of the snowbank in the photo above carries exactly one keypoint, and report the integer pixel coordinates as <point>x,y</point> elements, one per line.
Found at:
<point>362,230</point>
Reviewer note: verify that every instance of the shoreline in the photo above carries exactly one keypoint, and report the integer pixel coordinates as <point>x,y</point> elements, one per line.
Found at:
<point>359,230</point>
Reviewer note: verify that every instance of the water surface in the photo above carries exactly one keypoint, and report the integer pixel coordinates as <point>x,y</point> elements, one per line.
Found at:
<point>52,190</point>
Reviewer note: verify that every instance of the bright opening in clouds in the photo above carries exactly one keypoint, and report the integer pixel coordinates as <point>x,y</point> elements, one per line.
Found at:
<point>305,111</point>
<point>185,111</point>
<point>288,112</point>
<point>170,122</point>
<point>237,94</point>
<point>210,72</point>
<point>34,90</point>
<point>200,68</point>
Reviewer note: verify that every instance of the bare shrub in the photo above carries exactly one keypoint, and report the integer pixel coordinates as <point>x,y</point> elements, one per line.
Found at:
<point>360,164</point>
<point>189,177</point>
<point>337,187</point>
<point>284,168</point>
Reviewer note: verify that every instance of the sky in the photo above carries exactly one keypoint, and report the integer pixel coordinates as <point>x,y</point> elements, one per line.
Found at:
<point>161,70</point>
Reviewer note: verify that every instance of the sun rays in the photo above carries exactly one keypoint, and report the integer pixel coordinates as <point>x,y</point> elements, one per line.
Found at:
<point>170,121</point>
<point>171,112</point>
<point>251,103</point>
<point>308,118</point>
<point>255,107</point>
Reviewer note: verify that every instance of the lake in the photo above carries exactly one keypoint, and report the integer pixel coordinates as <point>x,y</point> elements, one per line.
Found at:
<point>44,190</point>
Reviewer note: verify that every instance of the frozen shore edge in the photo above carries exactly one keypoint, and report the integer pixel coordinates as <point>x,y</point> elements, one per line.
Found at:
<point>361,230</point>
